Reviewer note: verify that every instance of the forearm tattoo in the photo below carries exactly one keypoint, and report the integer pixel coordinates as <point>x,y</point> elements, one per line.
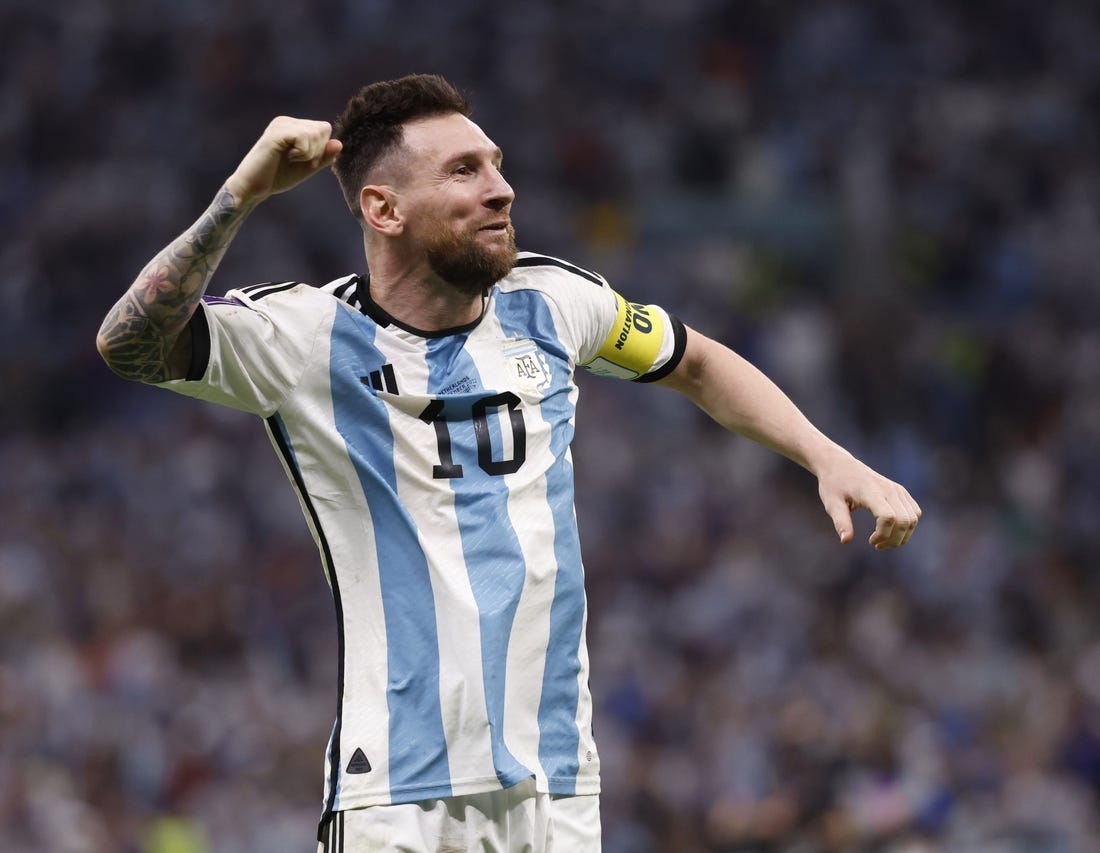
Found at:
<point>139,332</point>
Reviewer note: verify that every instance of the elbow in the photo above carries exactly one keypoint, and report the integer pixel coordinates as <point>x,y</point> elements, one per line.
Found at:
<point>149,359</point>
<point>131,346</point>
<point>103,347</point>
<point>109,355</point>
<point>123,356</point>
<point>107,342</point>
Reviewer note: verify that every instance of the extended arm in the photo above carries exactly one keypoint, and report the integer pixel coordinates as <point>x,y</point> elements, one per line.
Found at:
<point>145,335</point>
<point>742,399</point>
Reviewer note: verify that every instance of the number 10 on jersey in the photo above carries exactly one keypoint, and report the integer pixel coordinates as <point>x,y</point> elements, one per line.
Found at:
<point>499,404</point>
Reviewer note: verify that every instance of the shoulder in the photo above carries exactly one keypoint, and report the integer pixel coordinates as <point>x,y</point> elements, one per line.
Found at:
<point>345,289</point>
<point>338,289</point>
<point>292,308</point>
<point>276,296</point>
<point>533,271</point>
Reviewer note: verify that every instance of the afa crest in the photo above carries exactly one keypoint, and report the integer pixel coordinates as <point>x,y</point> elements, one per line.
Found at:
<point>527,365</point>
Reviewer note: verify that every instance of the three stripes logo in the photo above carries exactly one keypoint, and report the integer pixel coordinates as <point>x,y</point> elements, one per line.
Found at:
<point>381,380</point>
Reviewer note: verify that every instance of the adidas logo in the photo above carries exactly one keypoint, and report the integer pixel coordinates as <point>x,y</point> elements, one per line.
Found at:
<point>358,763</point>
<point>381,380</point>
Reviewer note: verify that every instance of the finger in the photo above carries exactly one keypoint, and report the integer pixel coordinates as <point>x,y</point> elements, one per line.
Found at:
<point>886,527</point>
<point>915,509</point>
<point>305,150</point>
<point>333,147</point>
<point>911,527</point>
<point>903,531</point>
<point>916,520</point>
<point>841,514</point>
<point>309,142</point>
<point>328,154</point>
<point>908,523</point>
<point>880,539</point>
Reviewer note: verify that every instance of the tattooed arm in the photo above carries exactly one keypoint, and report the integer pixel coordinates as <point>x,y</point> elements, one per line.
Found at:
<point>145,336</point>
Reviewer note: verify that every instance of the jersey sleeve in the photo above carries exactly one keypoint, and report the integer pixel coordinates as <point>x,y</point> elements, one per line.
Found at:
<point>604,332</point>
<point>642,342</point>
<point>250,348</point>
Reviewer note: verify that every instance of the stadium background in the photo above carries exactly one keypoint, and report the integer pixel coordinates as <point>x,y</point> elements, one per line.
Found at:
<point>891,207</point>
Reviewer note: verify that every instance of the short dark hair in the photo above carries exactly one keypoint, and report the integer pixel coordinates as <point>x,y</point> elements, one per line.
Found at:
<point>372,124</point>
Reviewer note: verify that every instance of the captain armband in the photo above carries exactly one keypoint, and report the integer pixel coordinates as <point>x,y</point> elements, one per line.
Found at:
<point>637,341</point>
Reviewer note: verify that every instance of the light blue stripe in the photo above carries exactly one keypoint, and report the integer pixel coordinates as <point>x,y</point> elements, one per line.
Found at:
<point>418,747</point>
<point>490,548</point>
<point>525,314</point>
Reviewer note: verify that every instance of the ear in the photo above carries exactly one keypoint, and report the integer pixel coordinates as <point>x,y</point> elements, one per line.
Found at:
<point>378,205</point>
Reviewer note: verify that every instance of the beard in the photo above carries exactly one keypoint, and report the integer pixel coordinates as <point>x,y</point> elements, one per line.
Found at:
<point>464,262</point>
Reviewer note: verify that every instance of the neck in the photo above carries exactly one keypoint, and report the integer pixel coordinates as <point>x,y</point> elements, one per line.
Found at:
<point>420,299</point>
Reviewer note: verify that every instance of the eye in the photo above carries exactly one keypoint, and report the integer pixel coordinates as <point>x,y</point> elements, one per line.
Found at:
<point>462,169</point>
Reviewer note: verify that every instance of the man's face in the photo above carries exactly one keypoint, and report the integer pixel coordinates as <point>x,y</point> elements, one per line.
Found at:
<point>458,205</point>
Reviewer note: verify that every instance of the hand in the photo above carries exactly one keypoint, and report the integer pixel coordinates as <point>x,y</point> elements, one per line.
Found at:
<point>289,151</point>
<point>845,484</point>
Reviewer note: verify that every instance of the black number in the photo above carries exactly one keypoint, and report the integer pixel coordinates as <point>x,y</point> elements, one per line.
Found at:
<point>481,430</point>
<point>447,468</point>
<point>641,319</point>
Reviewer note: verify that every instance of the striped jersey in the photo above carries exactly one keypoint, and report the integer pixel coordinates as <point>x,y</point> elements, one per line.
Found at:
<point>435,475</point>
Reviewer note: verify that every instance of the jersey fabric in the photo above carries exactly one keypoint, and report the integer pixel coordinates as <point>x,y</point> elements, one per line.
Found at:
<point>435,475</point>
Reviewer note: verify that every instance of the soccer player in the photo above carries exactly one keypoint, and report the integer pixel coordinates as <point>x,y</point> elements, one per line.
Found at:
<point>424,413</point>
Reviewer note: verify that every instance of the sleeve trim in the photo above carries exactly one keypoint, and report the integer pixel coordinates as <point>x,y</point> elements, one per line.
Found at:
<point>200,345</point>
<point>679,345</point>
<point>255,292</point>
<point>533,260</point>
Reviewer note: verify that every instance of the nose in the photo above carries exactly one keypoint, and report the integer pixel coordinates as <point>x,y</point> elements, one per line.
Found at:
<point>500,193</point>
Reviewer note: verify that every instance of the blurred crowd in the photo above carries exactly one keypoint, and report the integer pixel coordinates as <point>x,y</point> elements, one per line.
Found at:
<point>891,207</point>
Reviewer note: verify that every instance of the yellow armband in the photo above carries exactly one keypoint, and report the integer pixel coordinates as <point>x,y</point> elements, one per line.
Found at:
<point>634,342</point>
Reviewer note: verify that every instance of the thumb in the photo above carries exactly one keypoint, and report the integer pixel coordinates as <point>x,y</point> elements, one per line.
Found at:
<point>332,150</point>
<point>841,514</point>
<point>327,156</point>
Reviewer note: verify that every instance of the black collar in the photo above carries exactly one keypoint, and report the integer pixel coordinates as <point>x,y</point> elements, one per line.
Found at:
<point>373,310</point>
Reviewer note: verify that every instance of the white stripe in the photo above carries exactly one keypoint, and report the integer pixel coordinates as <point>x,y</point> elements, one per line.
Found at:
<point>349,529</point>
